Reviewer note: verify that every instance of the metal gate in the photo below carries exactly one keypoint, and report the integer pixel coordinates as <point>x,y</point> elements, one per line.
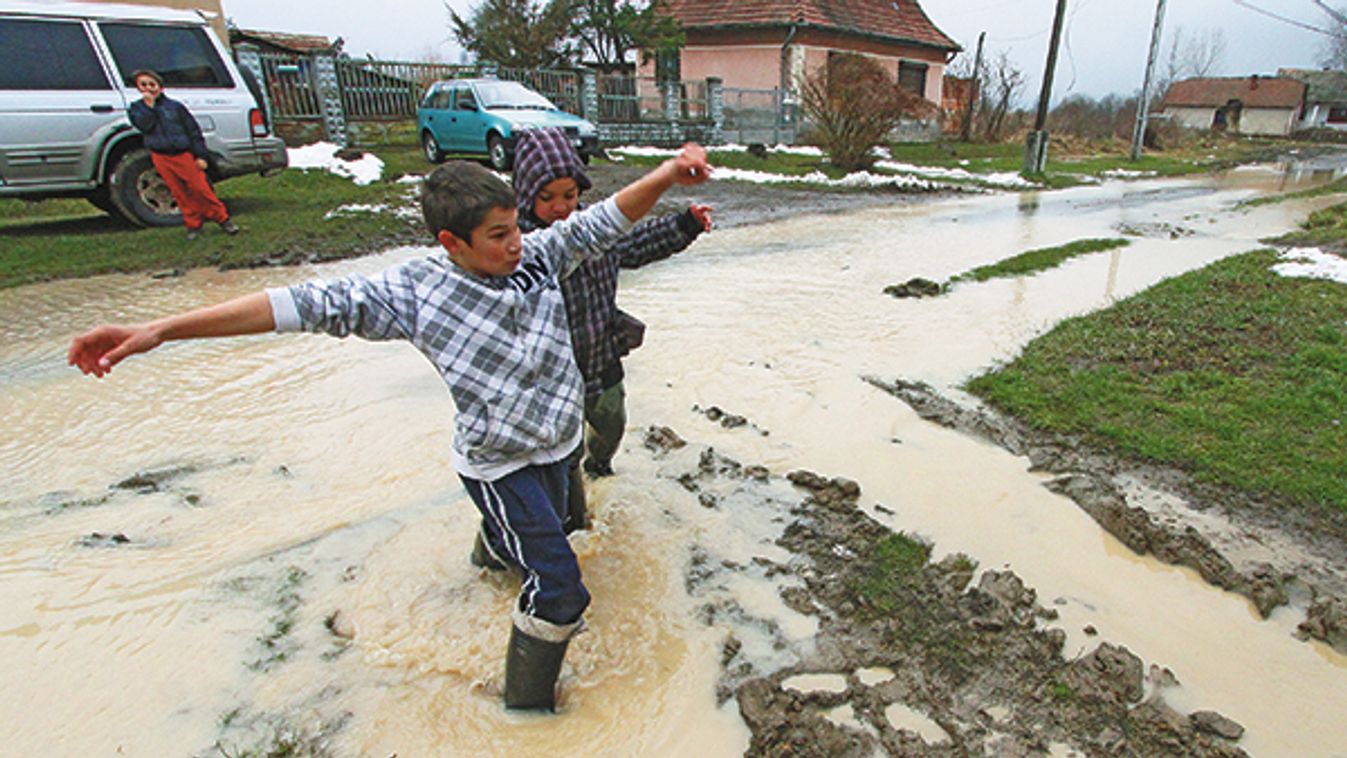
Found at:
<point>762,116</point>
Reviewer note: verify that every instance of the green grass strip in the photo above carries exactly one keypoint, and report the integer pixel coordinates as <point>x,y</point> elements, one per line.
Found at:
<point>1231,372</point>
<point>1039,260</point>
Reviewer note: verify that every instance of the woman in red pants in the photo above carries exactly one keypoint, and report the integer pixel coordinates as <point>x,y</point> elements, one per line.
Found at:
<point>179,154</point>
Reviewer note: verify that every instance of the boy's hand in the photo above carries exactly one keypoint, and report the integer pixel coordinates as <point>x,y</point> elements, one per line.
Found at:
<point>703,215</point>
<point>98,350</point>
<point>147,98</point>
<point>690,166</point>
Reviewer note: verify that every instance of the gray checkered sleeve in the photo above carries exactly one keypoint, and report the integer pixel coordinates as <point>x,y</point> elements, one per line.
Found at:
<point>380,307</point>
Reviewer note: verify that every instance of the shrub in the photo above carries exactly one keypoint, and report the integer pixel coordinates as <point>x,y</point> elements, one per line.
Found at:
<point>853,103</point>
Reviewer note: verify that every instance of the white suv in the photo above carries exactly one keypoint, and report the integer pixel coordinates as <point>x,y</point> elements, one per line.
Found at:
<point>65,83</point>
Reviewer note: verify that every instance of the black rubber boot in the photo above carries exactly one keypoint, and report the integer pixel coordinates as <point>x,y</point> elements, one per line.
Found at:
<point>531,668</point>
<point>577,515</point>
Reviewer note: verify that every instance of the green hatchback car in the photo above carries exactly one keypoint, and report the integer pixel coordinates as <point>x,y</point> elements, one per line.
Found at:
<point>484,117</point>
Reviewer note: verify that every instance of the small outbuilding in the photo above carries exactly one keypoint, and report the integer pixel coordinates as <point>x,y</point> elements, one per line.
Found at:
<point>1253,105</point>
<point>1325,98</point>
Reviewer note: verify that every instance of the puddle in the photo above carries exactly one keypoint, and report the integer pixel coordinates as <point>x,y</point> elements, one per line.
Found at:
<point>339,469</point>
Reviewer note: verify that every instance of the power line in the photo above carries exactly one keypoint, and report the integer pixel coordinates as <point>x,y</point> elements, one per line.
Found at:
<point>1284,19</point>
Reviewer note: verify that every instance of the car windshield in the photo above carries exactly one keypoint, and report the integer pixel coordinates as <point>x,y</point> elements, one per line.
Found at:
<point>512,95</point>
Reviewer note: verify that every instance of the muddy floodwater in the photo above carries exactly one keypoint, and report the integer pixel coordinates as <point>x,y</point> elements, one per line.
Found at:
<point>244,543</point>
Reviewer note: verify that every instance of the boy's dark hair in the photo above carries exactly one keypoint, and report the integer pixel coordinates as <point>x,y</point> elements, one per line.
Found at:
<point>147,72</point>
<point>458,195</point>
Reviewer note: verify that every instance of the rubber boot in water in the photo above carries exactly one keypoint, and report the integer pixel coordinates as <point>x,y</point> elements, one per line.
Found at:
<point>531,668</point>
<point>577,515</point>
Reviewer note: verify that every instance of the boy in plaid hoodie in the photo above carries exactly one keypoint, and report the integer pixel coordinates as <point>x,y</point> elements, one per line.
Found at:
<point>489,315</point>
<point>549,178</point>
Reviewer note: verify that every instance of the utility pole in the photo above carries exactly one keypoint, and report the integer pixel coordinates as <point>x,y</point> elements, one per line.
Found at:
<point>973,91</point>
<point>1036,146</point>
<point>1144,102</point>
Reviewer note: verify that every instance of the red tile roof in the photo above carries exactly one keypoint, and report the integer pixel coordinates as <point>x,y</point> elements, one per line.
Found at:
<point>1252,91</point>
<point>899,20</point>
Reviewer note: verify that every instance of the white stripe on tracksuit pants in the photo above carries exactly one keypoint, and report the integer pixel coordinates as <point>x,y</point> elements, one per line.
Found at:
<point>522,514</point>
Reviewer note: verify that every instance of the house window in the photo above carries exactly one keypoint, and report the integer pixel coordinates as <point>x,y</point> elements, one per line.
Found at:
<point>912,77</point>
<point>1337,115</point>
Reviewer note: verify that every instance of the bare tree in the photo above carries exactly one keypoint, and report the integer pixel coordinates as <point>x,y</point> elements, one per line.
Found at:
<point>853,103</point>
<point>1333,54</point>
<point>1002,85</point>
<point>1200,54</point>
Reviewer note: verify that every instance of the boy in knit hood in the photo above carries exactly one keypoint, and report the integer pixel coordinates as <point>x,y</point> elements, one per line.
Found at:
<point>490,317</point>
<point>549,178</point>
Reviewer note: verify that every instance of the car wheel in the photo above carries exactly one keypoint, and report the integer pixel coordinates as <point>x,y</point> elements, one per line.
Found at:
<point>496,153</point>
<point>139,193</point>
<point>431,148</point>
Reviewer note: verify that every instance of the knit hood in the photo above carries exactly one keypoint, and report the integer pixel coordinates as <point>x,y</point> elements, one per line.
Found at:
<point>542,156</point>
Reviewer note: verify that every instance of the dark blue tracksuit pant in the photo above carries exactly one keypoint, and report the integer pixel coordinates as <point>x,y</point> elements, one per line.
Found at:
<point>522,514</point>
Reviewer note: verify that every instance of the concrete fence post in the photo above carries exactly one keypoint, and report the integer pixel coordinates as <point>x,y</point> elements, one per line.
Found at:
<point>715,106</point>
<point>589,95</point>
<point>669,94</point>
<point>249,58</point>
<point>328,89</point>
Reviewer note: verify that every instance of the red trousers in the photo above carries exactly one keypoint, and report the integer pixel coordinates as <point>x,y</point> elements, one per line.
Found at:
<point>189,186</point>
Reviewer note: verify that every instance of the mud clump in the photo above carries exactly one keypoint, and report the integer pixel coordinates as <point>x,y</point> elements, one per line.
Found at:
<point>916,287</point>
<point>965,652</point>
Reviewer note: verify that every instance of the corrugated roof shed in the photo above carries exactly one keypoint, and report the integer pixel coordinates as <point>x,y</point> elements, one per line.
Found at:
<point>299,43</point>
<point>898,20</point>
<point>1252,91</point>
<point>1320,86</point>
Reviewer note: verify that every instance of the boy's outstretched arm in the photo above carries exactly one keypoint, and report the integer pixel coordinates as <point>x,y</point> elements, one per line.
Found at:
<point>99,349</point>
<point>688,167</point>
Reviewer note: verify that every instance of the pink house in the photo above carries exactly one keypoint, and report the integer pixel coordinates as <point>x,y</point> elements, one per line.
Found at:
<point>763,44</point>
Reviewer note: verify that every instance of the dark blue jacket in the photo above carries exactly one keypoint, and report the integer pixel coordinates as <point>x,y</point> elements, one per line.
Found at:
<point>168,127</point>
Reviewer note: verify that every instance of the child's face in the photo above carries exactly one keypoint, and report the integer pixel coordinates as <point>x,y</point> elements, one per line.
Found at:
<point>494,248</point>
<point>556,200</point>
<point>148,86</point>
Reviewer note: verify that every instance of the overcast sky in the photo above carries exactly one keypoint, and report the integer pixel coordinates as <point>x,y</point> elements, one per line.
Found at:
<point>1103,49</point>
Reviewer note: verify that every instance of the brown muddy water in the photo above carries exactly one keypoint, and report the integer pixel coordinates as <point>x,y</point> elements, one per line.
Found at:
<point>291,567</point>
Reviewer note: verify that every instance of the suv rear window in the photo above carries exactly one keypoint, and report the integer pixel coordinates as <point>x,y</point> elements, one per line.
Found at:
<point>51,55</point>
<point>183,56</point>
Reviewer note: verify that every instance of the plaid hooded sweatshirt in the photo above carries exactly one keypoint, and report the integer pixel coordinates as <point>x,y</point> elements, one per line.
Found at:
<point>499,343</point>
<point>543,156</point>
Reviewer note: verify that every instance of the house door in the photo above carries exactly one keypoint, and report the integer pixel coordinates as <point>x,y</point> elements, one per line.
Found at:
<point>1227,116</point>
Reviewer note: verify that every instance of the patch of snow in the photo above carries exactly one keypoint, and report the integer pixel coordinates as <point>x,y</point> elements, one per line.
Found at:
<point>1312,263</point>
<point>664,152</point>
<point>404,212</point>
<point>856,179</point>
<point>1123,173</point>
<point>323,155</point>
<point>1005,179</point>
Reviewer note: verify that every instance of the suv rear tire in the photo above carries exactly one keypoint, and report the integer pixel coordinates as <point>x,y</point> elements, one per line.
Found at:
<point>139,193</point>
